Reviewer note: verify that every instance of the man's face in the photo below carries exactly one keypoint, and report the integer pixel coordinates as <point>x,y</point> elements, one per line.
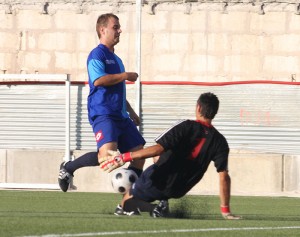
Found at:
<point>110,35</point>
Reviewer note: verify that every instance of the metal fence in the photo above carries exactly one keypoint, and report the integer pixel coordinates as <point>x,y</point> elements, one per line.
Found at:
<point>45,114</point>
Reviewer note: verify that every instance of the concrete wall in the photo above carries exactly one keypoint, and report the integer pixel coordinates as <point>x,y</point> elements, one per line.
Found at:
<point>251,173</point>
<point>181,40</point>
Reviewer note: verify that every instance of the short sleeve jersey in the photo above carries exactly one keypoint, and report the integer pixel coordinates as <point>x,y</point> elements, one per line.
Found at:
<point>105,100</point>
<point>189,147</point>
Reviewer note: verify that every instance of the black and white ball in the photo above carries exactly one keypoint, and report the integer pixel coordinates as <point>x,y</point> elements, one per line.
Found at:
<point>122,180</point>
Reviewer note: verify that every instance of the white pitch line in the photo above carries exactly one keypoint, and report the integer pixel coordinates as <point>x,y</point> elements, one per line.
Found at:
<point>164,231</point>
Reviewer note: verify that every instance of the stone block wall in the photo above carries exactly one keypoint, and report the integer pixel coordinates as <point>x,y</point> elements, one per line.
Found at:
<point>181,40</point>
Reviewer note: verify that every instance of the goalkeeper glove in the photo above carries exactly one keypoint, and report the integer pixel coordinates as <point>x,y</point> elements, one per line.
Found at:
<point>114,160</point>
<point>225,210</point>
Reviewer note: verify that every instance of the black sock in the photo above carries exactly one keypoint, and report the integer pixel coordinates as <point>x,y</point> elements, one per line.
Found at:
<point>136,170</point>
<point>137,205</point>
<point>88,159</point>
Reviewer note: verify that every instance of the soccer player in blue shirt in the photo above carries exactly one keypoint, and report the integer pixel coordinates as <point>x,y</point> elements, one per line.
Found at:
<point>112,118</point>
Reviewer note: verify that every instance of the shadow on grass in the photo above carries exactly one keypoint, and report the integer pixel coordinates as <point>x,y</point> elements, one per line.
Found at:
<point>201,209</point>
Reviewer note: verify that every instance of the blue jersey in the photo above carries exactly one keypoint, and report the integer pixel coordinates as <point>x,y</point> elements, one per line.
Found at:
<point>105,100</point>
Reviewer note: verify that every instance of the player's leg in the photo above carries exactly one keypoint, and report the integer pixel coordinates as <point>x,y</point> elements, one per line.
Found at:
<point>130,139</point>
<point>142,194</point>
<point>104,133</point>
<point>133,206</point>
<point>109,142</point>
<point>137,165</point>
<point>102,149</point>
<point>88,159</point>
<point>67,169</point>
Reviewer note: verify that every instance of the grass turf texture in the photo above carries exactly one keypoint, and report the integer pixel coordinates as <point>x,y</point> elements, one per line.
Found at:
<point>40,213</point>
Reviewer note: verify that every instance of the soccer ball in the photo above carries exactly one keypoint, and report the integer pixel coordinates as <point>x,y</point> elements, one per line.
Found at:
<point>122,180</point>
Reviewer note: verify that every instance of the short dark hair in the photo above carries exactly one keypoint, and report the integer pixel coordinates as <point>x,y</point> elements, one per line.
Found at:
<point>209,104</point>
<point>103,20</point>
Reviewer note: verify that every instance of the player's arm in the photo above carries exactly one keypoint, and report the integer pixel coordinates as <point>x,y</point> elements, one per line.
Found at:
<point>135,118</point>
<point>113,79</point>
<point>115,159</point>
<point>99,77</point>
<point>225,183</point>
<point>148,152</point>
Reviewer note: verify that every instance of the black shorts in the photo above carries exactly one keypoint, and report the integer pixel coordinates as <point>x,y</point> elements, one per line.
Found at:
<point>144,189</point>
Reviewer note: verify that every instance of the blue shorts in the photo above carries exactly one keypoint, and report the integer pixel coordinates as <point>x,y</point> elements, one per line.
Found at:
<point>122,131</point>
<point>144,189</point>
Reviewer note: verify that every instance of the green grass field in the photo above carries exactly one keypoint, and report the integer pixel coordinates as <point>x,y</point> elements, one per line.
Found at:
<point>74,214</point>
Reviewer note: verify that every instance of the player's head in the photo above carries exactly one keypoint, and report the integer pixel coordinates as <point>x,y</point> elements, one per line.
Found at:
<point>209,104</point>
<point>103,21</point>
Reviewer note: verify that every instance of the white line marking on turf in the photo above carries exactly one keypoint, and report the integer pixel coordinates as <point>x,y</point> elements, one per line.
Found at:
<point>164,231</point>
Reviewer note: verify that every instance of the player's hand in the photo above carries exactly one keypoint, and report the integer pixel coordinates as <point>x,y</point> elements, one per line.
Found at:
<point>229,216</point>
<point>114,160</point>
<point>110,154</point>
<point>131,76</point>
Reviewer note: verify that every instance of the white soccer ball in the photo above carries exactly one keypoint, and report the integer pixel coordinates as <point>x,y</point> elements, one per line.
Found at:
<point>122,179</point>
